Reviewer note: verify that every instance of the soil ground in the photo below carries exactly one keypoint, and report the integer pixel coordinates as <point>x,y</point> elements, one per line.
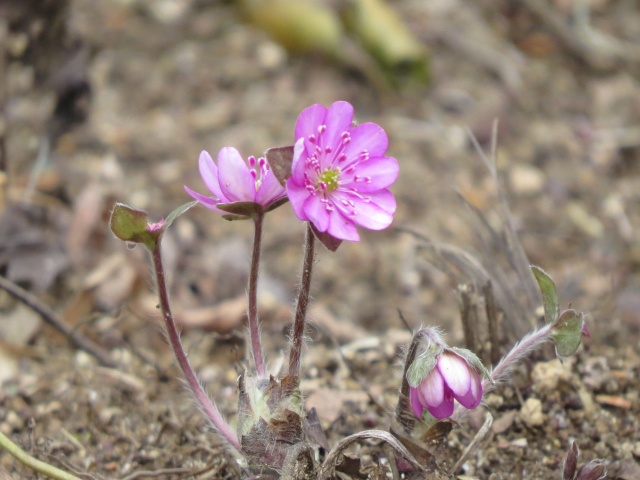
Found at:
<point>169,79</point>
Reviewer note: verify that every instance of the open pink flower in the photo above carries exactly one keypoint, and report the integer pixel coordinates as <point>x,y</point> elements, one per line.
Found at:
<point>340,174</point>
<point>234,180</point>
<point>451,378</point>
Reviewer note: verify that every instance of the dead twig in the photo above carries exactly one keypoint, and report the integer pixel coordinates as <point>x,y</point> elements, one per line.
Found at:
<point>488,421</point>
<point>492,319</point>
<point>52,318</point>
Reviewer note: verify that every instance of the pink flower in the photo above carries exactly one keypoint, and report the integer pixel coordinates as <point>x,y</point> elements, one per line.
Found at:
<point>451,378</point>
<point>234,180</point>
<point>340,174</point>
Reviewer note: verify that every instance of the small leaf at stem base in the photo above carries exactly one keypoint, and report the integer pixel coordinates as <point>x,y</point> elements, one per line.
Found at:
<point>549,295</point>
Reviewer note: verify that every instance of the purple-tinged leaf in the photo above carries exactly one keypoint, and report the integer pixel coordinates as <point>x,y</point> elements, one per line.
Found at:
<point>570,462</point>
<point>280,160</point>
<point>594,470</point>
<point>327,240</point>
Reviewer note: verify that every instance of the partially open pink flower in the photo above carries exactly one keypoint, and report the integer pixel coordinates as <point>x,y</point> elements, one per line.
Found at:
<point>234,180</point>
<point>451,378</point>
<point>340,174</point>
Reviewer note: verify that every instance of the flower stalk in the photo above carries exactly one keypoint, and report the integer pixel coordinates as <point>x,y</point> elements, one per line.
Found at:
<point>527,345</point>
<point>205,403</point>
<point>302,304</point>
<point>254,326</point>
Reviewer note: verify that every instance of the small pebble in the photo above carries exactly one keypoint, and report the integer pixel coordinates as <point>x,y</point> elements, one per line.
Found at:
<point>526,179</point>
<point>531,413</point>
<point>548,375</point>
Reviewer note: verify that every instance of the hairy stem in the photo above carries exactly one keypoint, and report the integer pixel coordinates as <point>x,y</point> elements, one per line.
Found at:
<point>500,373</point>
<point>521,349</point>
<point>210,410</point>
<point>254,327</point>
<point>302,304</point>
<point>33,463</point>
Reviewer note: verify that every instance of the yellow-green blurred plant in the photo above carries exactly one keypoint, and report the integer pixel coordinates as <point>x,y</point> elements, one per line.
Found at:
<point>301,26</point>
<point>386,43</point>
<point>379,28</point>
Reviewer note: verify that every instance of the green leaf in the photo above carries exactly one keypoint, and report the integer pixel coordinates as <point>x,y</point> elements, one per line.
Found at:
<point>132,225</point>
<point>567,332</point>
<point>549,294</point>
<point>127,223</point>
<point>177,212</point>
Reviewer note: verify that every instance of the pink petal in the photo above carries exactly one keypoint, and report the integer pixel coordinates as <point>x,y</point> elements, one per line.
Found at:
<point>338,120</point>
<point>375,174</point>
<point>384,199</point>
<point>474,396</point>
<point>270,190</point>
<point>414,401</point>
<point>206,201</point>
<point>236,182</point>
<point>299,157</point>
<point>209,173</point>
<point>445,408</point>
<point>342,227</point>
<point>370,137</point>
<point>432,389</point>
<point>317,212</point>
<point>455,373</point>
<point>367,214</point>
<point>298,195</point>
<point>308,122</point>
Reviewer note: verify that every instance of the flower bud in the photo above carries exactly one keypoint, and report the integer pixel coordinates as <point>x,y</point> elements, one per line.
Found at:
<point>452,377</point>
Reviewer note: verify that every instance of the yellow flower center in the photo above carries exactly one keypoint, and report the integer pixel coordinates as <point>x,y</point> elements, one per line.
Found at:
<point>328,180</point>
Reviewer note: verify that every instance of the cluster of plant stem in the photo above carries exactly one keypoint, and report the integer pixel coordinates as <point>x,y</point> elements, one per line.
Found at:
<point>439,384</point>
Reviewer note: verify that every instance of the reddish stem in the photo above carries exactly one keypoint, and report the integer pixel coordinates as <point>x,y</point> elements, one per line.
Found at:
<point>501,372</point>
<point>301,305</point>
<point>254,326</point>
<point>210,410</point>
